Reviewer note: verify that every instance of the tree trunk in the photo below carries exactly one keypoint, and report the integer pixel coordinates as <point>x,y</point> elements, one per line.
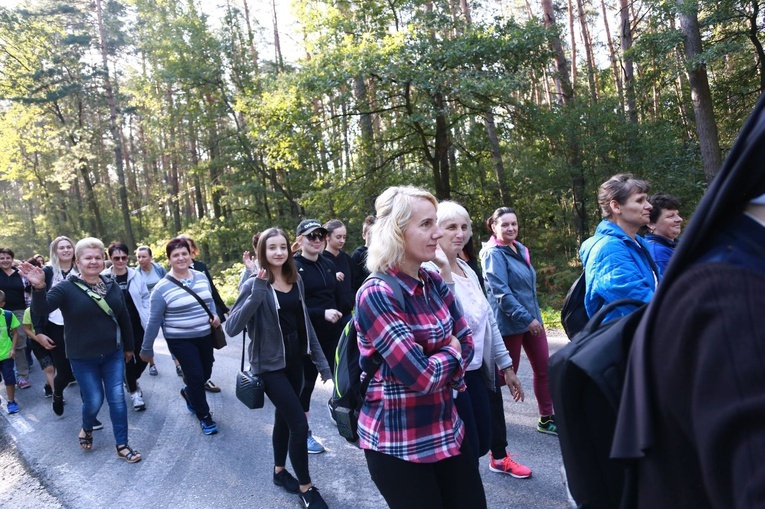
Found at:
<point>250,35</point>
<point>277,44</point>
<point>612,54</point>
<point>441,161</point>
<point>115,132</point>
<point>90,196</point>
<point>496,155</point>
<point>587,41</point>
<point>629,69</point>
<point>706,127</point>
<point>572,32</point>
<point>562,80</point>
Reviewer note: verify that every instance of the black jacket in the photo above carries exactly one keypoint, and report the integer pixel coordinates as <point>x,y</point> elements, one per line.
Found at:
<point>88,331</point>
<point>321,293</point>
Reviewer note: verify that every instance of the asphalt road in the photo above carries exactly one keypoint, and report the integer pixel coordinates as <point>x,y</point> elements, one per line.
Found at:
<point>42,465</point>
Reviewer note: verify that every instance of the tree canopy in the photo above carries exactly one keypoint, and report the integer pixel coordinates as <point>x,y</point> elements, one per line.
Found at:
<point>135,120</point>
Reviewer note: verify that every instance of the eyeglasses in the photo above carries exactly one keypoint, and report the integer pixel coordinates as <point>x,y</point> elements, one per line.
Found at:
<point>119,258</point>
<point>315,236</point>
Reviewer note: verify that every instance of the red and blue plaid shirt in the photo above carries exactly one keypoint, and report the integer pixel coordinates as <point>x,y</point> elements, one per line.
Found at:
<point>409,411</point>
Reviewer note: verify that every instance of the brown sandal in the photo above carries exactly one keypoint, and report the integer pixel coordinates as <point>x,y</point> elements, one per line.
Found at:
<point>128,454</point>
<point>86,442</point>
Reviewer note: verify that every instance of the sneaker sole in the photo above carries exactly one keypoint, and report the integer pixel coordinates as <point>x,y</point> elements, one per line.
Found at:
<point>547,432</point>
<point>210,432</point>
<point>139,408</point>
<point>497,470</point>
<point>316,452</point>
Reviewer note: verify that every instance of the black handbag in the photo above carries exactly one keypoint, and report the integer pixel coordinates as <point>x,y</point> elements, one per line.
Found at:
<point>217,333</point>
<point>250,389</point>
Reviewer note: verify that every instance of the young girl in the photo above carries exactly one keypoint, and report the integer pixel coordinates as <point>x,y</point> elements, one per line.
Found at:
<point>274,300</point>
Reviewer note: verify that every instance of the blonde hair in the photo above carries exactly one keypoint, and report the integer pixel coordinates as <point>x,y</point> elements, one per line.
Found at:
<point>88,243</point>
<point>55,263</point>
<point>450,211</point>
<point>394,211</point>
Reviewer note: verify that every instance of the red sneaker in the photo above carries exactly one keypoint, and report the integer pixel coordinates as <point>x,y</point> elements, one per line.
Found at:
<point>509,466</point>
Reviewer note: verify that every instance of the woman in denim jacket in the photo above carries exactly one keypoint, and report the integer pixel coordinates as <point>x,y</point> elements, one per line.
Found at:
<point>511,285</point>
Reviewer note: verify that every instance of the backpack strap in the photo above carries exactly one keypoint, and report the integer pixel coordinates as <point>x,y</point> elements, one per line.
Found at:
<point>373,363</point>
<point>8,320</point>
<point>101,303</point>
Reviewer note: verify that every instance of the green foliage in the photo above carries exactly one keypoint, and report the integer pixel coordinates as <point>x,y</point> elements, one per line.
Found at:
<point>220,142</point>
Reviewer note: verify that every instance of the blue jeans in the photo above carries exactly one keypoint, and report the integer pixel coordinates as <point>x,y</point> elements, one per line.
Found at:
<point>99,376</point>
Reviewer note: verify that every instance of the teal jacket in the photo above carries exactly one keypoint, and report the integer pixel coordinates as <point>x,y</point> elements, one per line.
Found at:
<point>616,267</point>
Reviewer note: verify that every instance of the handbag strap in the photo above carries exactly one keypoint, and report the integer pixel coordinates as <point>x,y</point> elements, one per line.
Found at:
<point>191,292</point>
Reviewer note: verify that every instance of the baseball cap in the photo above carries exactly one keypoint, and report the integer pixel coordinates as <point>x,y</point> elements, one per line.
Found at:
<point>309,225</point>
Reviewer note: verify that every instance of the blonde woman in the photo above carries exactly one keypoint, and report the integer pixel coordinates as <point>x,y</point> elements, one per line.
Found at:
<point>409,429</point>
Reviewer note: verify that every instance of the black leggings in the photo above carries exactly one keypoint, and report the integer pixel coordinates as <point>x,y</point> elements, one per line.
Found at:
<point>498,424</point>
<point>451,483</point>
<point>328,339</point>
<point>135,366</point>
<point>473,408</point>
<point>290,425</point>
<point>64,375</point>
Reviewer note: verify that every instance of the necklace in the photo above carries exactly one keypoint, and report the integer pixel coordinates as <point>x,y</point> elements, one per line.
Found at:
<point>97,288</point>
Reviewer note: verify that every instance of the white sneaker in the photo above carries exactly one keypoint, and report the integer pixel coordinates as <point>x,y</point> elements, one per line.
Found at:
<point>138,403</point>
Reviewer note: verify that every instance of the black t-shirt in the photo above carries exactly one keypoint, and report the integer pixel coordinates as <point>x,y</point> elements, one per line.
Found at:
<point>13,286</point>
<point>291,319</point>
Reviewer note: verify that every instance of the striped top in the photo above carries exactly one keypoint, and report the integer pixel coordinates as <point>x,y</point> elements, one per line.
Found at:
<point>179,313</point>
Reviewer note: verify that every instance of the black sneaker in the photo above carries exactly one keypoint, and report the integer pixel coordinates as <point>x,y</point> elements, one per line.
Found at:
<point>58,405</point>
<point>186,399</point>
<point>48,391</point>
<point>98,425</point>
<point>312,499</point>
<point>286,481</point>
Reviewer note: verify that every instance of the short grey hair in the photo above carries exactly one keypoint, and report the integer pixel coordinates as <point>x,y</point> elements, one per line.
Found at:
<point>88,243</point>
<point>451,210</point>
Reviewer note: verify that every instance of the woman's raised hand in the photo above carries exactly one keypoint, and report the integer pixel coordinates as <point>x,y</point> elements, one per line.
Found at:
<point>248,261</point>
<point>263,274</point>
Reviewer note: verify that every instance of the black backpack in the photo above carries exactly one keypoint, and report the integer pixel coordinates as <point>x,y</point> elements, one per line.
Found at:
<point>573,315</point>
<point>348,396</point>
<point>586,379</point>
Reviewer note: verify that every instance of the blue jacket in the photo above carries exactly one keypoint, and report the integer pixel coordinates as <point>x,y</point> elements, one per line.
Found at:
<point>661,250</point>
<point>616,267</point>
<point>511,286</point>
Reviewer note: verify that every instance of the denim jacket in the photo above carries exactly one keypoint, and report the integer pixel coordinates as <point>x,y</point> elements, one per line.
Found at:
<point>511,286</point>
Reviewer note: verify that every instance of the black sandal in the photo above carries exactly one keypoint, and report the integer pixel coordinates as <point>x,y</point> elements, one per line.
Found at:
<point>86,442</point>
<point>128,454</point>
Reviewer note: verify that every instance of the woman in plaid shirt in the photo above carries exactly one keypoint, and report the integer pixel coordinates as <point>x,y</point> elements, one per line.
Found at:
<point>409,428</point>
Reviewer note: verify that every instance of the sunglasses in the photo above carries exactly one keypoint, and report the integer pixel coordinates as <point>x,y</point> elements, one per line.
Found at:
<point>119,258</point>
<point>315,236</point>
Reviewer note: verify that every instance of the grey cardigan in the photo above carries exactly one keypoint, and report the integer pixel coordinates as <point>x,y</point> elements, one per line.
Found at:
<point>494,349</point>
<point>257,309</point>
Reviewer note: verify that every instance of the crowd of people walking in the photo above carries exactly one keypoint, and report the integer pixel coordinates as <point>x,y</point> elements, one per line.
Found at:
<point>448,346</point>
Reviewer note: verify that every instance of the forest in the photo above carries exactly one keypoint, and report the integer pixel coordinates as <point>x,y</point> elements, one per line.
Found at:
<point>135,120</point>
